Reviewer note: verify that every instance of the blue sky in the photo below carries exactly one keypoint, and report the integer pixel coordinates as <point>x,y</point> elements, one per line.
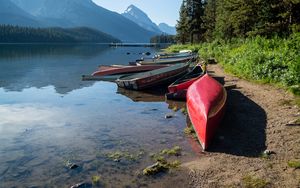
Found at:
<point>166,11</point>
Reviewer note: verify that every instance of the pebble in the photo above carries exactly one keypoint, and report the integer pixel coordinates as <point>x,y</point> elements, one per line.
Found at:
<point>268,152</point>
<point>71,165</point>
<point>168,116</point>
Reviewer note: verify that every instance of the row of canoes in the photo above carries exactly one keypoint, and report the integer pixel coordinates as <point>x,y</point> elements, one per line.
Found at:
<point>205,96</point>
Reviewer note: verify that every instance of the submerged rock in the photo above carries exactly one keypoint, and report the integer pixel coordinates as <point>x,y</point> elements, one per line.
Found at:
<point>168,116</point>
<point>154,169</point>
<point>71,165</point>
<point>82,185</point>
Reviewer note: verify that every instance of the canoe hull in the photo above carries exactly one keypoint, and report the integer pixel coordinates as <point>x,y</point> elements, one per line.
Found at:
<point>206,99</point>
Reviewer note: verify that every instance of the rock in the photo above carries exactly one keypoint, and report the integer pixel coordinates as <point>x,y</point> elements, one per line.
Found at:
<point>154,169</point>
<point>82,185</point>
<point>268,152</point>
<point>71,165</point>
<point>168,116</point>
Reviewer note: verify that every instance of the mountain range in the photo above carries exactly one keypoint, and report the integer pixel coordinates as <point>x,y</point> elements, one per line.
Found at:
<point>12,14</point>
<point>79,13</point>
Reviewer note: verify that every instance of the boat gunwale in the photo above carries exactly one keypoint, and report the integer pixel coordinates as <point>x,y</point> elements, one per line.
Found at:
<point>174,84</point>
<point>134,78</point>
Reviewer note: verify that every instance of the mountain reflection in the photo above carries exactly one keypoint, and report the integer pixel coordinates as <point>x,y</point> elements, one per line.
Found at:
<point>24,66</point>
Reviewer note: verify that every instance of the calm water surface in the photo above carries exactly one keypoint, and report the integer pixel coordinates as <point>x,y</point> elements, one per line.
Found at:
<point>49,118</point>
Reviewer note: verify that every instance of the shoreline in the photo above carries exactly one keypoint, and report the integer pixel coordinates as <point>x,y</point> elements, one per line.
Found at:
<point>256,120</point>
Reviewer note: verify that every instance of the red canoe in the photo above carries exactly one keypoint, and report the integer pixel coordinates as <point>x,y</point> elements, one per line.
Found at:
<point>206,100</point>
<point>121,69</point>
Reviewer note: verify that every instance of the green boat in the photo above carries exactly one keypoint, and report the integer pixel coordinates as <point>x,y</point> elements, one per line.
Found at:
<point>153,78</point>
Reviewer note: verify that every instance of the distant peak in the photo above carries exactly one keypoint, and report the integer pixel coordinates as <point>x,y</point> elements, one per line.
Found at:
<point>131,8</point>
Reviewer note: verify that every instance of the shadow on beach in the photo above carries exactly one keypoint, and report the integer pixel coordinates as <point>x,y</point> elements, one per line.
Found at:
<point>242,131</point>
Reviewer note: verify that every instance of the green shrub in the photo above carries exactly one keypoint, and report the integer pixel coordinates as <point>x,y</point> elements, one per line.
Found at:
<point>274,60</point>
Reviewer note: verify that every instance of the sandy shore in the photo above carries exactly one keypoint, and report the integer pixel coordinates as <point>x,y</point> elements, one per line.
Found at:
<point>256,120</point>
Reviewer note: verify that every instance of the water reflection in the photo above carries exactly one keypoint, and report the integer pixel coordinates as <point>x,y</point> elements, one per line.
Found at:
<point>48,116</point>
<point>156,95</point>
<point>25,66</point>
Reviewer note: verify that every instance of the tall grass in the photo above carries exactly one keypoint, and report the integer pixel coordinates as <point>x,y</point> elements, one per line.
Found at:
<point>274,60</point>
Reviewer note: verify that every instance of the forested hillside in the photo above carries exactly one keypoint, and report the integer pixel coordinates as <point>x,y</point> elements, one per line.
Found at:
<point>16,34</point>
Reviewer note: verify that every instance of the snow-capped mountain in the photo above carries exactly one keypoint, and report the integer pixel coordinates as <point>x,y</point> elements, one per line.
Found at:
<point>136,15</point>
<point>77,13</point>
<point>167,29</point>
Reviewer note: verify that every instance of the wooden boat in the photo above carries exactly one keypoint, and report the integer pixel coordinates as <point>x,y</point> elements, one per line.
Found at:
<point>206,100</point>
<point>188,79</point>
<point>178,89</point>
<point>149,79</point>
<point>105,70</point>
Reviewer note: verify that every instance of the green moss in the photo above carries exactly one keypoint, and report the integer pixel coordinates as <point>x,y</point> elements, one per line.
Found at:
<point>184,111</point>
<point>189,130</point>
<point>174,164</point>
<point>160,166</point>
<point>253,182</point>
<point>297,101</point>
<point>158,158</point>
<point>294,164</point>
<point>264,155</point>
<point>176,150</point>
<point>175,109</point>
<point>286,102</point>
<point>155,169</point>
<point>96,180</point>
<point>118,155</point>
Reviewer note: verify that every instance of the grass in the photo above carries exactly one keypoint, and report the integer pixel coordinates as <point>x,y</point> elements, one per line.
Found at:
<point>294,164</point>
<point>275,60</point>
<point>254,182</point>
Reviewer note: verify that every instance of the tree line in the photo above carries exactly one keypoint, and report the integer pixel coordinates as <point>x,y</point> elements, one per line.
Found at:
<point>206,20</point>
<point>163,38</point>
<point>17,34</point>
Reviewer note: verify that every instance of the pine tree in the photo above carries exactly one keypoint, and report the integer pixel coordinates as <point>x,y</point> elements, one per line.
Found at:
<point>196,20</point>
<point>209,19</point>
<point>182,27</point>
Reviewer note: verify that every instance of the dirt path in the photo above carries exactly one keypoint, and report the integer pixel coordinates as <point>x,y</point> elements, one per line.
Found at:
<point>255,121</point>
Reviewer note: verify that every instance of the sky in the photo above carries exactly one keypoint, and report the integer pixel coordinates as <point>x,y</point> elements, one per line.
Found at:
<point>166,11</point>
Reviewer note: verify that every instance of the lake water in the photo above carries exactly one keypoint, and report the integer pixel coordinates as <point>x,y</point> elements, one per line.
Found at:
<point>50,119</point>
